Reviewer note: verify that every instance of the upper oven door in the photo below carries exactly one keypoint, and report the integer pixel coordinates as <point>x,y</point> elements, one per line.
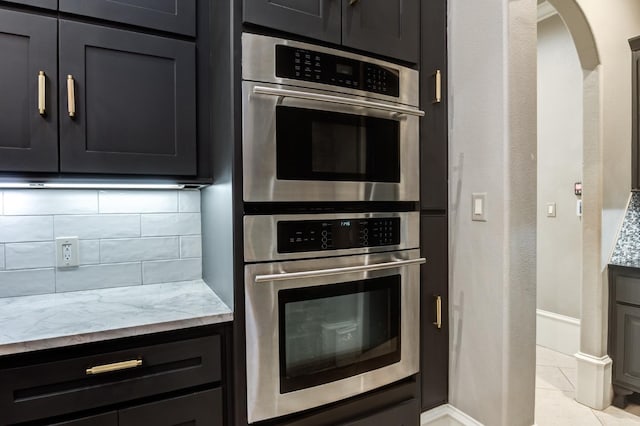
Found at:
<point>302,144</point>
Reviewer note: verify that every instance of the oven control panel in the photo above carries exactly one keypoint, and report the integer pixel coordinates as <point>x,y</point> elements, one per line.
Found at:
<point>338,234</point>
<point>307,65</point>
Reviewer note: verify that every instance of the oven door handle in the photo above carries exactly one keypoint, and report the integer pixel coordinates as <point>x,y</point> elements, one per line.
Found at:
<point>337,271</point>
<point>260,90</point>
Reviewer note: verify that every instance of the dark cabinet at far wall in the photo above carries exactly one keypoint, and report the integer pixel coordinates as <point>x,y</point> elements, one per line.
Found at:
<point>434,329</point>
<point>108,100</point>
<point>635,96</point>
<point>624,331</point>
<point>385,27</point>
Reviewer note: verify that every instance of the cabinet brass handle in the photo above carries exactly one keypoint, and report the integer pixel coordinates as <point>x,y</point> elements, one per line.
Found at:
<point>116,366</point>
<point>353,2</point>
<point>71,96</point>
<point>438,321</point>
<point>42,81</point>
<point>438,92</point>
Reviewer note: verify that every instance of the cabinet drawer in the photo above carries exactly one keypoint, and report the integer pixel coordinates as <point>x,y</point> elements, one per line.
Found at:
<point>73,384</point>
<point>197,409</point>
<point>628,290</point>
<point>403,414</point>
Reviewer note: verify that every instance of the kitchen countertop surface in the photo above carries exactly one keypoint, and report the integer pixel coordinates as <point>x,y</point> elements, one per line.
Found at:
<point>30,323</point>
<point>627,249</point>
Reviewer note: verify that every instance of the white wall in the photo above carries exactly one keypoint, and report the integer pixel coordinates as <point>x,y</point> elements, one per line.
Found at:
<point>492,60</point>
<point>559,253</point>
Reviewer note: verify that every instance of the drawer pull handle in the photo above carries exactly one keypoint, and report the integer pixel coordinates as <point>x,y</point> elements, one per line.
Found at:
<point>71,96</point>
<point>116,366</point>
<point>41,93</point>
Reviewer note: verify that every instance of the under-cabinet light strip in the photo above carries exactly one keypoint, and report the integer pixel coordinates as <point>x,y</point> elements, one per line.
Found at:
<point>47,185</point>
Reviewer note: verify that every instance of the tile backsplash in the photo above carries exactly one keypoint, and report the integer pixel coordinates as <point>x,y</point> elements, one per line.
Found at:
<point>126,237</point>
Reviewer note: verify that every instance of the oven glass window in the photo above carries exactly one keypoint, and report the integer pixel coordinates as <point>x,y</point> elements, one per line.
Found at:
<point>331,332</point>
<point>330,146</point>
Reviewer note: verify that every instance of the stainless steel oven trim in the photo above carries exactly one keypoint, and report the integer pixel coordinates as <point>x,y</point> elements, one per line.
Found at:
<point>258,64</point>
<point>259,90</point>
<point>264,400</point>
<point>261,235</point>
<point>337,271</point>
<point>259,154</point>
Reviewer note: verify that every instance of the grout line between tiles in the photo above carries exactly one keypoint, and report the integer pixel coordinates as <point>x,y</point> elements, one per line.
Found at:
<point>596,416</point>
<point>568,380</point>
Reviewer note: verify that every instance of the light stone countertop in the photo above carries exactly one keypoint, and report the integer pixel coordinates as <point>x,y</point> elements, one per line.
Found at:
<point>30,323</point>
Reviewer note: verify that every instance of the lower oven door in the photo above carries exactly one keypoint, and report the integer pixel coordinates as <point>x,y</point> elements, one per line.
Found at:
<point>318,331</point>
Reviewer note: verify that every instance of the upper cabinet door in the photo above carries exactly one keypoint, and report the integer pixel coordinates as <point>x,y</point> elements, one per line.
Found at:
<point>434,184</point>
<point>127,102</point>
<point>319,19</point>
<point>28,106</point>
<point>385,27</point>
<point>45,4</point>
<point>176,16</point>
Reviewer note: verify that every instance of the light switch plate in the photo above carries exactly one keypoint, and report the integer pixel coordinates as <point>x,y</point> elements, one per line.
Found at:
<point>479,206</point>
<point>551,209</point>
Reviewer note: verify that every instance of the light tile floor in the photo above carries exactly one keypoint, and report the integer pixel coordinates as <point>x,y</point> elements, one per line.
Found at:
<point>555,390</point>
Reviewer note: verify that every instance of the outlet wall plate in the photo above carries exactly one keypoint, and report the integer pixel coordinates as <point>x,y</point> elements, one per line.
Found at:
<point>67,252</point>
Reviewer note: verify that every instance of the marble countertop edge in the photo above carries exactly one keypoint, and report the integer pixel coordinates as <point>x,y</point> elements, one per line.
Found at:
<point>32,323</point>
<point>98,336</point>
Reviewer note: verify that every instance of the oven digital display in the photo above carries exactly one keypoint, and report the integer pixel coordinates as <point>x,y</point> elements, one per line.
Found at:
<point>344,69</point>
<point>318,235</point>
<point>319,67</point>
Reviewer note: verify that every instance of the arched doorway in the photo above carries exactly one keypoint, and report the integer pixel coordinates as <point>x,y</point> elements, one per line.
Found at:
<point>593,365</point>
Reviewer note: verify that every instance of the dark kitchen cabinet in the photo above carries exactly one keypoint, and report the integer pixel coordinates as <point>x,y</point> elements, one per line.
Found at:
<point>384,27</point>
<point>29,135</point>
<point>86,98</point>
<point>44,4</point>
<point>106,419</point>
<point>177,16</point>
<point>197,409</point>
<point>178,376</point>
<point>403,414</point>
<point>635,99</point>
<point>318,19</point>
<point>434,205</point>
<point>433,100</point>
<point>434,330</point>
<point>624,331</point>
<point>135,104</point>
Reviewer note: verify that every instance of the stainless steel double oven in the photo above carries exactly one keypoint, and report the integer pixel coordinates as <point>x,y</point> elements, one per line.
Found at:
<point>331,294</point>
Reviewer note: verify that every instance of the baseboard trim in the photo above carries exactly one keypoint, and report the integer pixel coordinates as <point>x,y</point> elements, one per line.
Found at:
<point>447,411</point>
<point>558,332</point>
<point>594,381</point>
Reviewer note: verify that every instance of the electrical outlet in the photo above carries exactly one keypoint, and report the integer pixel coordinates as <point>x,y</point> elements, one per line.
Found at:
<point>67,252</point>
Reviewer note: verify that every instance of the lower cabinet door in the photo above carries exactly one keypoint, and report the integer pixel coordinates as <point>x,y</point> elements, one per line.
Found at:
<point>106,419</point>
<point>434,329</point>
<point>627,372</point>
<point>197,409</point>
